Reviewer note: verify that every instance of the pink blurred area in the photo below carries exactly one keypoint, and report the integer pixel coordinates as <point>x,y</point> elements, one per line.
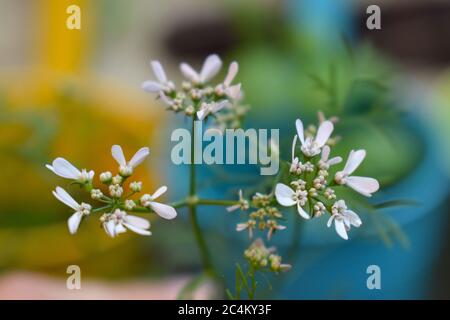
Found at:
<point>32,286</point>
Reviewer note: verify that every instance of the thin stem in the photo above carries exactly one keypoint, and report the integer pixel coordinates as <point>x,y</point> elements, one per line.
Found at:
<point>192,205</point>
<point>212,202</point>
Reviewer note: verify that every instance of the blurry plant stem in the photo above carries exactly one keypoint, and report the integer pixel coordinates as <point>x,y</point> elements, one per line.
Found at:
<point>192,206</point>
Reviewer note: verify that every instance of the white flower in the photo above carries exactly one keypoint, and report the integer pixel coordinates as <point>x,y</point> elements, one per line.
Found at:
<point>129,204</point>
<point>242,204</point>
<point>105,177</point>
<point>118,221</point>
<point>162,84</point>
<point>163,210</point>
<point>250,225</point>
<point>210,108</point>
<point>234,92</point>
<point>65,169</point>
<point>81,210</point>
<point>288,197</point>
<point>363,185</point>
<point>136,186</point>
<point>115,190</point>
<point>210,68</point>
<point>325,163</point>
<point>126,168</point>
<point>310,146</point>
<point>343,219</point>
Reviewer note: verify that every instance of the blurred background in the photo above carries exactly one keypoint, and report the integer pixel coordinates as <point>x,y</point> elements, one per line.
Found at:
<point>74,93</point>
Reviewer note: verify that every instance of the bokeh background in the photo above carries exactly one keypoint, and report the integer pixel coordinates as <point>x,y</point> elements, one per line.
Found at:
<point>74,93</point>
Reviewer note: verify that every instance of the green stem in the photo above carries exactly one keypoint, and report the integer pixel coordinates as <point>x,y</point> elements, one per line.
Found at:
<point>212,202</point>
<point>192,206</point>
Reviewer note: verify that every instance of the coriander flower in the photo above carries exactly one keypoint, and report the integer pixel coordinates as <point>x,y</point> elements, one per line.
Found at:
<point>363,185</point>
<point>288,197</point>
<point>343,219</point>
<point>119,221</point>
<point>325,163</point>
<point>126,168</point>
<point>162,85</point>
<point>210,68</point>
<point>311,147</point>
<point>65,169</point>
<point>163,210</point>
<point>249,225</point>
<point>81,210</point>
<point>242,204</point>
<point>210,108</point>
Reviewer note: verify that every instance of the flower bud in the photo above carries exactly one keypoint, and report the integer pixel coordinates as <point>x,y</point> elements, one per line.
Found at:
<point>106,177</point>
<point>136,186</point>
<point>96,194</point>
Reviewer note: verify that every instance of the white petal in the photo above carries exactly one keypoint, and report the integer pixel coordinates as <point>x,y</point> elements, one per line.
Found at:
<point>159,192</point>
<point>210,68</point>
<point>65,198</point>
<point>324,132</point>
<point>354,160</point>
<point>233,208</point>
<point>49,167</point>
<point>234,92</point>
<point>139,156</point>
<point>158,70</point>
<point>119,228</point>
<point>138,222</point>
<point>163,210</point>
<point>294,143</point>
<point>340,228</point>
<point>110,227</point>
<point>353,218</point>
<point>73,222</point>
<point>65,169</point>
<point>165,99</point>
<point>151,86</point>
<point>137,230</point>
<point>91,174</point>
<point>189,72</point>
<point>117,154</point>
<point>302,212</point>
<point>241,226</point>
<point>330,220</point>
<point>219,106</point>
<point>232,71</point>
<point>300,130</point>
<point>284,195</point>
<point>325,153</point>
<point>202,114</point>
<point>334,160</point>
<point>365,186</point>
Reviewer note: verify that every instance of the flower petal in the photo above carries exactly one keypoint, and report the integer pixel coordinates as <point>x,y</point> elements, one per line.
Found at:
<point>110,228</point>
<point>151,86</point>
<point>73,222</point>
<point>117,154</point>
<point>165,99</point>
<point>201,114</point>
<point>325,153</point>
<point>300,130</point>
<point>241,226</point>
<point>354,160</point>
<point>324,132</point>
<point>159,192</point>
<point>363,185</point>
<point>119,228</point>
<point>65,198</point>
<point>216,107</point>
<point>353,218</point>
<point>140,231</point>
<point>210,68</point>
<point>139,156</point>
<point>233,208</point>
<point>284,195</point>
<point>65,169</point>
<point>232,71</point>
<point>334,160</point>
<point>138,222</point>
<point>163,210</point>
<point>158,70</point>
<point>340,228</point>
<point>302,212</point>
<point>330,220</point>
<point>234,92</point>
<point>189,73</point>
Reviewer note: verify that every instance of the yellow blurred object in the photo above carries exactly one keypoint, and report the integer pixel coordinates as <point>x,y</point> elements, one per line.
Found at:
<point>57,108</point>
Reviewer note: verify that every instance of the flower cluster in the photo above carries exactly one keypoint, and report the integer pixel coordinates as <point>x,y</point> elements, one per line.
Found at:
<point>197,97</point>
<point>115,199</point>
<point>264,214</point>
<point>260,257</point>
<point>311,187</point>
